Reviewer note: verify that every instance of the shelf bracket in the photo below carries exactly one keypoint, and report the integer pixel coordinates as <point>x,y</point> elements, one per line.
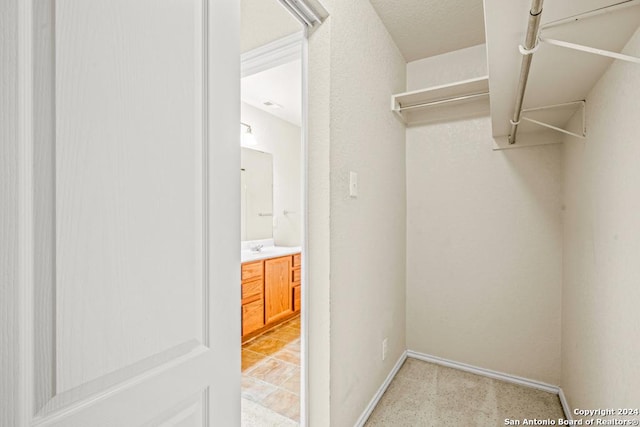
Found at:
<point>593,50</point>
<point>581,104</point>
<point>600,11</point>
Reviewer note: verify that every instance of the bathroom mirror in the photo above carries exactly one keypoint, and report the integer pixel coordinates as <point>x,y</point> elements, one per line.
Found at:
<point>256,180</point>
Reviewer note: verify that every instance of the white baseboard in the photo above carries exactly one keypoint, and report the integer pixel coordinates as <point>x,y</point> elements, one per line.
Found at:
<point>538,385</point>
<point>485,372</point>
<point>376,397</point>
<point>498,376</point>
<point>565,405</point>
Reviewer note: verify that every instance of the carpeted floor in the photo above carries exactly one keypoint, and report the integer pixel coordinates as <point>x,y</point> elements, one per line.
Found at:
<point>424,394</point>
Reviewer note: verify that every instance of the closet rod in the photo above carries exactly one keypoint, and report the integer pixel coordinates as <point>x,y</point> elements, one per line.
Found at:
<point>443,101</point>
<point>529,48</point>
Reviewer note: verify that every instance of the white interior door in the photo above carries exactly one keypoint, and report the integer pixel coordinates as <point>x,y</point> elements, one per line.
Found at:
<point>131,314</point>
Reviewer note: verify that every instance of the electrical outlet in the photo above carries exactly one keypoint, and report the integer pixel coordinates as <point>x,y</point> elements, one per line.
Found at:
<point>385,347</point>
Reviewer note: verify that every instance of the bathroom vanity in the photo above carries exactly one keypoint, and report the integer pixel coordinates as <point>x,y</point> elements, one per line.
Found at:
<point>270,275</point>
<point>270,289</point>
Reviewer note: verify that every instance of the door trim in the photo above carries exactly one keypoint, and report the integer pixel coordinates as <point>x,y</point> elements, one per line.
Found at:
<point>270,55</point>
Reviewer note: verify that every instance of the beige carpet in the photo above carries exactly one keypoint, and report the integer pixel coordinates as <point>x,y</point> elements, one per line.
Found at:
<point>255,415</point>
<point>424,394</point>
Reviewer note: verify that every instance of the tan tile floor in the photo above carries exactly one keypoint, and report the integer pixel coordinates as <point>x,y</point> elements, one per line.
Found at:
<point>271,370</point>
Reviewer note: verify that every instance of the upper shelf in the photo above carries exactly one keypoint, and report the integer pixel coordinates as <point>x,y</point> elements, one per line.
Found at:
<point>558,75</point>
<point>445,102</point>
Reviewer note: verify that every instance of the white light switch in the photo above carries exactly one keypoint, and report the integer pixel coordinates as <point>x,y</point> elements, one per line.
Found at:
<point>353,184</point>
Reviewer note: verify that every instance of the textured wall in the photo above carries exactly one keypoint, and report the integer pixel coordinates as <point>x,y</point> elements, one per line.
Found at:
<point>601,296</point>
<point>483,250</point>
<point>282,140</point>
<point>367,233</point>
<point>449,67</point>
<point>317,194</point>
<point>356,246</point>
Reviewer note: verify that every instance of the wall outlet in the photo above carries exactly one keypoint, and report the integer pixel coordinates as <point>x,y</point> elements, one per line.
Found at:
<point>385,348</point>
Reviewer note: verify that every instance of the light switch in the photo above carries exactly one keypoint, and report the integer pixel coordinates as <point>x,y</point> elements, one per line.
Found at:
<point>353,184</point>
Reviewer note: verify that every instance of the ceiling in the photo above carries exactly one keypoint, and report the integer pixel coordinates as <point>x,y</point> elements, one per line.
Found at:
<point>281,85</point>
<point>423,28</point>
<point>420,28</point>
<point>263,21</point>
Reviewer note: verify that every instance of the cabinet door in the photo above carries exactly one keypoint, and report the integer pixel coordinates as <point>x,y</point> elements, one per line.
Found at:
<point>277,288</point>
<point>252,318</point>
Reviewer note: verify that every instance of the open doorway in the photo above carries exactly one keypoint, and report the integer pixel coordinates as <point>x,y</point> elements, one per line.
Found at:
<point>272,226</point>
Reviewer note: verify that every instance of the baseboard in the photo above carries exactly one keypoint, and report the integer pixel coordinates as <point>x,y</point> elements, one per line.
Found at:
<point>565,405</point>
<point>376,397</point>
<point>538,385</point>
<point>499,376</point>
<point>485,372</point>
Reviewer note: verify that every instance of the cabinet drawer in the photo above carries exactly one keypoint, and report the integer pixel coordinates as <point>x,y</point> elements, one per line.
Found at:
<point>295,275</point>
<point>252,270</point>
<point>296,298</point>
<point>251,291</point>
<point>297,260</point>
<point>252,317</point>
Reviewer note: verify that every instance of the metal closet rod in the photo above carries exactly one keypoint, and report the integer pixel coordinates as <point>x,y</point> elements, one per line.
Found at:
<point>444,101</point>
<point>530,45</point>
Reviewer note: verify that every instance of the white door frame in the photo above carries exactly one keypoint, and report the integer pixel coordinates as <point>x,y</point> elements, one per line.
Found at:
<point>279,52</point>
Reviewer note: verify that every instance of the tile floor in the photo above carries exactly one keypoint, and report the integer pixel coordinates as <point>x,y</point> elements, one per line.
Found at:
<point>424,394</point>
<point>271,370</point>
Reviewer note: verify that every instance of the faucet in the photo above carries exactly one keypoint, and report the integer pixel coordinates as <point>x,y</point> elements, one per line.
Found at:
<point>256,248</point>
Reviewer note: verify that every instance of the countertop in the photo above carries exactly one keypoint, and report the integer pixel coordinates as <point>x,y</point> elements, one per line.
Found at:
<point>268,252</point>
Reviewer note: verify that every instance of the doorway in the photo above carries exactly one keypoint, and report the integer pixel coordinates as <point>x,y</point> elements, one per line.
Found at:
<point>272,218</point>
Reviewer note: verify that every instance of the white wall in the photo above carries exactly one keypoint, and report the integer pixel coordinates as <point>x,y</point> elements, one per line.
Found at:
<point>601,296</point>
<point>483,250</point>
<point>449,67</point>
<point>316,263</point>
<point>356,246</point>
<point>483,240</point>
<point>367,233</point>
<point>282,140</point>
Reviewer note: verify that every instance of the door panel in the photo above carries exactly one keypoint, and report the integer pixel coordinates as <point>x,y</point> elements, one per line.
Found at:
<point>129,183</point>
<point>125,297</point>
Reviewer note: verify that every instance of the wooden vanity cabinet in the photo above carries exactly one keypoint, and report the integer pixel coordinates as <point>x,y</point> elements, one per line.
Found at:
<point>270,293</point>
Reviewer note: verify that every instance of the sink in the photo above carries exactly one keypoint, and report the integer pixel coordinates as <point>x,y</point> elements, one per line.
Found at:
<point>264,250</point>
